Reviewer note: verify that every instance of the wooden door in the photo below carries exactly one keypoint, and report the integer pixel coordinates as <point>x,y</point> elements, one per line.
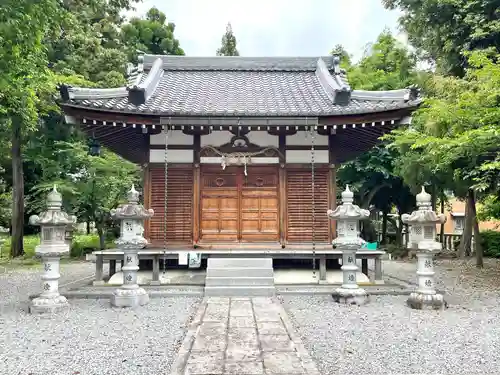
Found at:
<point>239,208</point>
<point>259,205</point>
<point>219,204</point>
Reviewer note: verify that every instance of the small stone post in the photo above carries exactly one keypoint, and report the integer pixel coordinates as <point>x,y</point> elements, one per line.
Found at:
<point>348,216</point>
<point>53,223</point>
<point>423,224</point>
<point>131,215</point>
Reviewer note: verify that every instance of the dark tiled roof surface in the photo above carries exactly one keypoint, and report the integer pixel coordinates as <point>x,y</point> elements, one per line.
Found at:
<point>243,87</point>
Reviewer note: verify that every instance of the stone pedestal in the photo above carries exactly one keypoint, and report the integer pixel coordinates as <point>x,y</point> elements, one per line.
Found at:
<point>350,293</point>
<point>49,300</point>
<point>53,223</point>
<point>132,216</point>
<point>348,241</point>
<point>423,225</point>
<point>130,294</point>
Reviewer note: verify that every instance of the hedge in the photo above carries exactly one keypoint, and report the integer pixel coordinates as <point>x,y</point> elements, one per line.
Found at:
<point>82,244</point>
<point>490,241</point>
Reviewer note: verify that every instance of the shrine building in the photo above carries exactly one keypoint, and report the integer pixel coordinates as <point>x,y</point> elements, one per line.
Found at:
<point>238,151</point>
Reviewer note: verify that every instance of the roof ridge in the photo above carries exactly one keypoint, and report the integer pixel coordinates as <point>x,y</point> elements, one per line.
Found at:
<point>236,63</point>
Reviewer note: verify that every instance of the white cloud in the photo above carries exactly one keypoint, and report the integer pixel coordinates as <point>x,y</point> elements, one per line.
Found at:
<point>275,27</point>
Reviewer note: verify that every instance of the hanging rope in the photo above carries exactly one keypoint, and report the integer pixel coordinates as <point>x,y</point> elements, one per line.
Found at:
<point>167,130</point>
<point>313,136</point>
<point>245,156</point>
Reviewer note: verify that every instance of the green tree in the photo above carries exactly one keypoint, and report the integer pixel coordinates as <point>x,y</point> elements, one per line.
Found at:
<point>24,80</point>
<point>457,133</point>
<point>345,57</point>
<point>228,47</point>
<point>152,35</point>
<point>443,29</point>
<point>92,185</point>
<point>386,65</point>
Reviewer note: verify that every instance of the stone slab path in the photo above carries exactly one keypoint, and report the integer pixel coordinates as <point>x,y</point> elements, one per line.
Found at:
<point>243,336</point>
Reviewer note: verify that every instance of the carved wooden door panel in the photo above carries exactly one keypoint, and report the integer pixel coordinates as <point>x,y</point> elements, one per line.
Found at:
<point>239,208</point>
<point>219,205</point>
<point>259,219</point>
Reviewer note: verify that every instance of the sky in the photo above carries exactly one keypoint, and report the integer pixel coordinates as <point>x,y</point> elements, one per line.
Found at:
<point>276,27</point>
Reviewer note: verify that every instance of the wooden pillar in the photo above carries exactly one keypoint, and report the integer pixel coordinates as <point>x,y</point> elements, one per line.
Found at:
<point>332,174</point>
<point>147,198</point>
<point>282,189</point>
<point>196,188</point>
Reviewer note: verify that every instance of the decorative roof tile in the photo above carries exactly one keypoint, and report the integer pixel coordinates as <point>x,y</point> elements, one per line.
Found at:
<point>239,86</point>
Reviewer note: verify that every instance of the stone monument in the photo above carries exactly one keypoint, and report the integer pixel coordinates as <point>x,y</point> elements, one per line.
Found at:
<point>131,216</point>
<point>53,224</point>
<point>423,223</point>
<point>348,216</point>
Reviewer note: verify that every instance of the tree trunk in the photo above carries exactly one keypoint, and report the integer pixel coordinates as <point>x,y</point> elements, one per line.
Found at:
<point>100,232</point>
<point>371,194</point>
<point>441,231</point>
<point>477,239</point>
<point>16,248</point>
<point>399,230</point>
<point>88,227</point>
<point>384,227</point>
<point>433,197</point>
<point>465,242</point>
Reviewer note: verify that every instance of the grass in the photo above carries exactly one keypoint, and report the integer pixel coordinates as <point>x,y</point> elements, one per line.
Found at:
<point>81,245</point>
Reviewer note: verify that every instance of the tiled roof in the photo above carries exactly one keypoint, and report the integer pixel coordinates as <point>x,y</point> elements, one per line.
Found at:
<point>237,86</point>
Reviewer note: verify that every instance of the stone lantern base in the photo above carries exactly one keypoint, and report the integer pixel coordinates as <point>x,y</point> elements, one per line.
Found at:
<point>129,297</point>
<point>421,301</point>
<point>42,305</point>
<point>346,296</point>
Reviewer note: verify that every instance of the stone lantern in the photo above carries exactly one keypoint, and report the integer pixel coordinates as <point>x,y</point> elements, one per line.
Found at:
<point>348,216</point>
<point>131,216</point>
<point>423,226</point>
<point>53,224</point>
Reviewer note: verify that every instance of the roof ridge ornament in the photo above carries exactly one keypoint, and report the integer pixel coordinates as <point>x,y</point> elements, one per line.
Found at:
<point>139,93</point>
<point>338,91</point>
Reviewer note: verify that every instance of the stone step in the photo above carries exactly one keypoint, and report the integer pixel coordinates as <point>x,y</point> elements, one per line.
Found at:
<point>239,281</point>
<point>239,272</point>
<point>240,263</point>
<point>240,291</point>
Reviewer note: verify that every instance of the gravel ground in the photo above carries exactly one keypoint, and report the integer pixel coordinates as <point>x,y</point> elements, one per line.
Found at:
<point>91,337</point>
<point>16,284</point>
<point>386,337</point>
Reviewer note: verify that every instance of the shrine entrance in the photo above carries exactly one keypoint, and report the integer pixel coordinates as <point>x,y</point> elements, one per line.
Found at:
<point>239,207</point>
